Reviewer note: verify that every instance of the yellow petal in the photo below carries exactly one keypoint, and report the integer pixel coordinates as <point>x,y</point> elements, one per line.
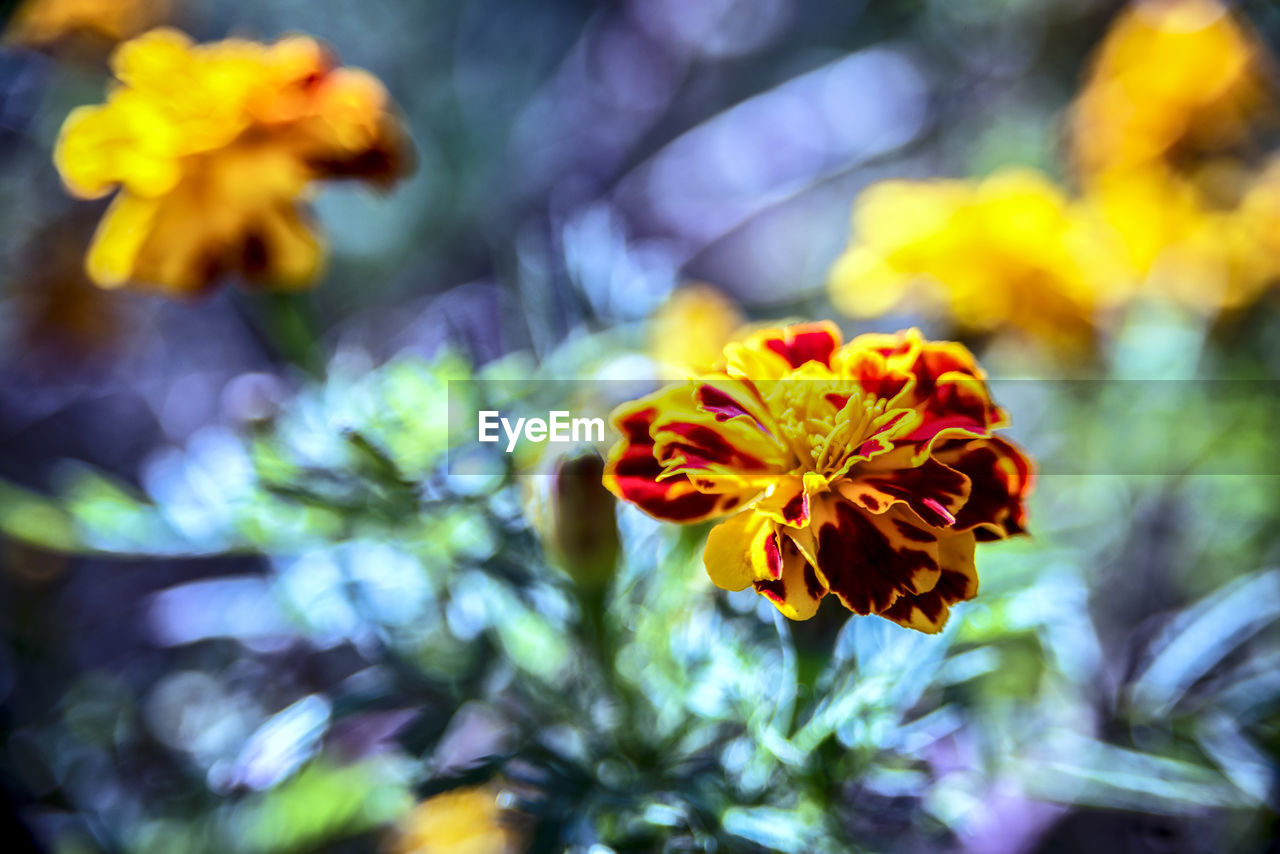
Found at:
<point>799,592</point>
<point>121,234</point>
<point>740,550</point>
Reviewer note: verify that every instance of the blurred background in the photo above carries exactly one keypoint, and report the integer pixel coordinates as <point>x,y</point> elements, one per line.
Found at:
<point>245,606</point>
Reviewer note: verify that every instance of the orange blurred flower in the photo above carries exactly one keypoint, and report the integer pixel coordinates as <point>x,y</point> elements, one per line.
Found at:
<point>1008,250</point>
<point>1174,85</point>
<point>212,147</point>
<point>41,23</point>
<point>463,821</point>
<point>1162,210</point>
<point>1171,77</point>
<point>868,470</point>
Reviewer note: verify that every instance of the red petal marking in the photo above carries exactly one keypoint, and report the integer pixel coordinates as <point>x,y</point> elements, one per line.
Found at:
<point>932,361</point>
<point>812,585</point>
<point>913,532</point>
<point>929,489</point>
<point>960,401</point>
<point>935,604</point>
<point>876,376</point>
<point>1001,478</point>
<point>861,564</point>
<point>723,406</point>
<point>940,511</point>
<point>674,499</point>
<point>932,427</point>
<point>897,348</point>
<point>796,511</point>
<point>935,360</point>
<point>804,345</point>
<point>774,589</point>
<point>773,557</point>
<point>720,404</point>
<point>635,425</point>
<point>634,475</point>
<point>837,400</point>
<point>877,441</point>
<point>706,447</point>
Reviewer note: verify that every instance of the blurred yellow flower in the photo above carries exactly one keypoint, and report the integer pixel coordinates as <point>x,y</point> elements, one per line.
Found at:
<point>691,328</point>
<point>40,23</point>
<point>1171,77</point>
<point>463,821</point>
<point>576,519</point>
<point>869,470</point>
<point>1171,240</point>
<point>1008,250</point>
<point>1161,210</point>
<point>212,147</point>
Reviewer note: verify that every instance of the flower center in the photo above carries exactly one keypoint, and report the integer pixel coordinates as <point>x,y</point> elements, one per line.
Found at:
<point>825,422</point>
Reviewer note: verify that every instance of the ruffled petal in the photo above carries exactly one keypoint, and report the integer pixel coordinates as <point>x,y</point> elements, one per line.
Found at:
<point>802,342</point>
<point>691,446</point>
<point>958,581</point>
<point>950,390</point>
<point>119,239</point>
<point>741,550</point>
<point>875,374</point>
<point>771,354</point>
<point>789,498</point>
<point>935,492</point>
<point>690,439</point>
<point>633,473</point>
<point>799,590</point>
<point>752,550</point>
<point>1001,478</point>
<point>869,560</point>
<point>731,399</point>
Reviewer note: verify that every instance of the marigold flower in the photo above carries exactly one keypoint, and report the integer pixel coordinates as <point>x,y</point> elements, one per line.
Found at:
<point>462,821</point>
<point>1170,76</point>
<point>868,470</point>
<point>1176,84</point>
<point>211,148</point>
<point>1008,250</point>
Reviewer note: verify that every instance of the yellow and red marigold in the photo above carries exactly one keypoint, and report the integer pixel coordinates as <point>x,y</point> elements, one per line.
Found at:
<point>212,148</point>
<point>868,470</point>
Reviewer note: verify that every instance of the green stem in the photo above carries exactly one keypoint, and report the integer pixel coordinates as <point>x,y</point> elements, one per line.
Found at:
<point>288,324</point>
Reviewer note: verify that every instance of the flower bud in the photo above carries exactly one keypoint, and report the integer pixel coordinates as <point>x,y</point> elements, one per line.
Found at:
<point>582,537</point>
